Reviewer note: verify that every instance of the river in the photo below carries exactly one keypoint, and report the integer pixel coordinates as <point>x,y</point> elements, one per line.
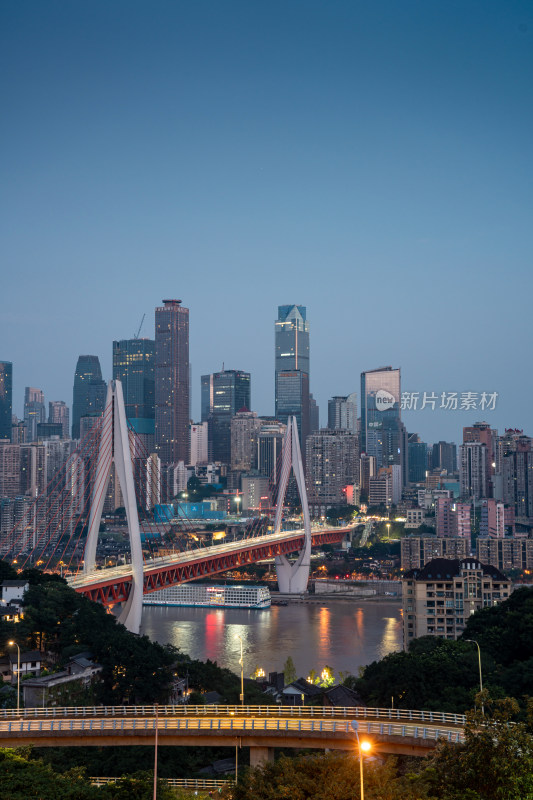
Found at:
<point>343,635</point>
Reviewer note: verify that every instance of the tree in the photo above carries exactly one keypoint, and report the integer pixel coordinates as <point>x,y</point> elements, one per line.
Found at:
<point>289,671</point>
<point>494,763</point>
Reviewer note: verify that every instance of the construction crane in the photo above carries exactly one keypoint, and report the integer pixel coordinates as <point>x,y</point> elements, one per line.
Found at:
<point>136,335</point>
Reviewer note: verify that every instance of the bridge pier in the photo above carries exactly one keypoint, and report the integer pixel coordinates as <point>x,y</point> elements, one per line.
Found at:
<point>260,756</point>
<point>293,578</point>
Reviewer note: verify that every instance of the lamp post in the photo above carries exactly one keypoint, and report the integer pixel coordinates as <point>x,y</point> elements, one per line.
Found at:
<point>388,531</point>
<point>241,662</point>
<point>364,747</point>
<point>18,673</point>
<point>241,697</point>
<point>473,641</point>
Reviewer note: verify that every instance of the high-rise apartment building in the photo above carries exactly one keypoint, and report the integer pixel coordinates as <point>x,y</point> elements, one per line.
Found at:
<point>34,411</point>
<point>492,521</point>
<point>199,443</point>
<point>342,413</point>
<point>6,399</point>
<point>517,476</point>
<point>134,367</point>
<point>452,519</point>
<point>332,462</point>
<point>292,367</point>
<point>474,474</point>
<point>89,389</point>
<point>172,382</point>
<point>245,428</point>
<point>230,391</point>
<point>439,598</point>
<point>482,433</point>
<point>58,413</point>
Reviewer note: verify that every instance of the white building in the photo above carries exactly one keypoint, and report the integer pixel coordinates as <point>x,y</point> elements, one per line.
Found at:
<point>199,443</point>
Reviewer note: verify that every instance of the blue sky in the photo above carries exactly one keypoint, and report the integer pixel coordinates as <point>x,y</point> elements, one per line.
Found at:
<point>371,161</point>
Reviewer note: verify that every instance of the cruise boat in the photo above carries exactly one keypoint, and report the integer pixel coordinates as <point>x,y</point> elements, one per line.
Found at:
<point>208,596</point>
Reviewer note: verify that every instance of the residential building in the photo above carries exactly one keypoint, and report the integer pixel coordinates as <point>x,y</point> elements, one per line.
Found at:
<point>482,433</point>
<point>172,382</point>
<point>474,475</point>
<point>255,493</point>
<point>292,368</point>
<point>314,414</point>
<point>199,443</point>
<point>245,428</point>
<point>58,413</point>
<point>517,475</point>
<point>332,461</point>
<point>509,553</point>
<point>452,519</point>
<point>380,489</point>
<point>34,411</point>
<point>6,399</point>
<point>342,413</point>
<point>492,521</point>
<point>439,597</point>
<point>415,518</point>
<point>269,450</point>
<point>416,551</point>
<point>367,470</point>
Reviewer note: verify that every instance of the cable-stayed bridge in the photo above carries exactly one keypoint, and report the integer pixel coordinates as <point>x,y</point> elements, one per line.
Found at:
<point>59,528</point>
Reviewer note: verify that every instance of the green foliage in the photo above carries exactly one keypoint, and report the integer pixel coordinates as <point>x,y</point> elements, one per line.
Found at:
<point>61,621</point>
<point>289,671</point>
<point>494,763</point>
<point>435,674</point>
<point>324,777</point>
<point>139,786</point>
<point>22,778</point>
<point>505,631</point>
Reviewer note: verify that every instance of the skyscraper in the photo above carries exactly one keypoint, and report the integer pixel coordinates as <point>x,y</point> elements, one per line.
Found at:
<point>383,434</point>
<point>88,390</point>
<point>292,367</point>
<point>172,382</point>
<point>58,412</point>
<point>342,413</point>
<point>223,394</point>
<point>34,411</point>
<point>6,399</point>
<point>134,366</point>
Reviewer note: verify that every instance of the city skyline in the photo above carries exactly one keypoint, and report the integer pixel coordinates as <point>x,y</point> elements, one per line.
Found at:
<point>369,162</point>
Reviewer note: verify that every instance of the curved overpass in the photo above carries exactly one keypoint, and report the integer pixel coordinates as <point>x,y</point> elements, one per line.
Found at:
<point>113,585</point>
<point>262,728</point>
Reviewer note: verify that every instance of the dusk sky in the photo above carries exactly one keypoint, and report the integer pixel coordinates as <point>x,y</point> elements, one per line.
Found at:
<point>369,160</point>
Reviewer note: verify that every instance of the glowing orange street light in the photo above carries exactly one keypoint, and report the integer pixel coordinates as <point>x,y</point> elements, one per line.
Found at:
<point>364,746</point>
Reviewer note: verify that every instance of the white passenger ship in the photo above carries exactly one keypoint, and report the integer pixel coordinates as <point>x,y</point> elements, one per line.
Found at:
<point>208,596</point>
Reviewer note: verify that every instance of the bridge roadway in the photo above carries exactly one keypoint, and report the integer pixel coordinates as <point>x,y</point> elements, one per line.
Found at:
<point>262,728</point>
<point>110,586</point>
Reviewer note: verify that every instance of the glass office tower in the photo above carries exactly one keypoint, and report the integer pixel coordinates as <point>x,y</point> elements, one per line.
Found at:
<point>6,399</point>
<point>292,367</point>
<point>89,393</point>
<point>134,366</point>
<point>223,394</point>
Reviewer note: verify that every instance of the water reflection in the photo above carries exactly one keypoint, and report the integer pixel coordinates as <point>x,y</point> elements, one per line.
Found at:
<point>343,635</point>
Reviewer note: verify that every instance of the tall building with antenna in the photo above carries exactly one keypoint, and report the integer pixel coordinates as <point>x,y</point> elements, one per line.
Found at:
<point>292,367</point>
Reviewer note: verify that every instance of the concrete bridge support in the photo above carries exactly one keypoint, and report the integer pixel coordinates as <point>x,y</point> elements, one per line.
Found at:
<point>260,756</point>
<point>293,578</point>
<point>114,449</point>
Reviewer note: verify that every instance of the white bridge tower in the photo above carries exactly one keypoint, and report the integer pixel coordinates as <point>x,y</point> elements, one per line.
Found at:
<point>293,578</point>
<point>114,448</point>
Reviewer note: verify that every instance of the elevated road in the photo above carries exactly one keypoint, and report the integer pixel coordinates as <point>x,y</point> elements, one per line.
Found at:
<point>262,728</point>
<point>110,586</point>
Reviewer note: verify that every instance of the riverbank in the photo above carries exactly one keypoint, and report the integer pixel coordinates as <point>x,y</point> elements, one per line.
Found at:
<point>327,599</point>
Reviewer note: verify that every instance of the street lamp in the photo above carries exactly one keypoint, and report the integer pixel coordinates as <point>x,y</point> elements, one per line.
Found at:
<point>473,641</point>
<point>237,500</point>
<point>241,662</point>
<point>388,531</point>
<point>14,644</point>
<point>364,747</point>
